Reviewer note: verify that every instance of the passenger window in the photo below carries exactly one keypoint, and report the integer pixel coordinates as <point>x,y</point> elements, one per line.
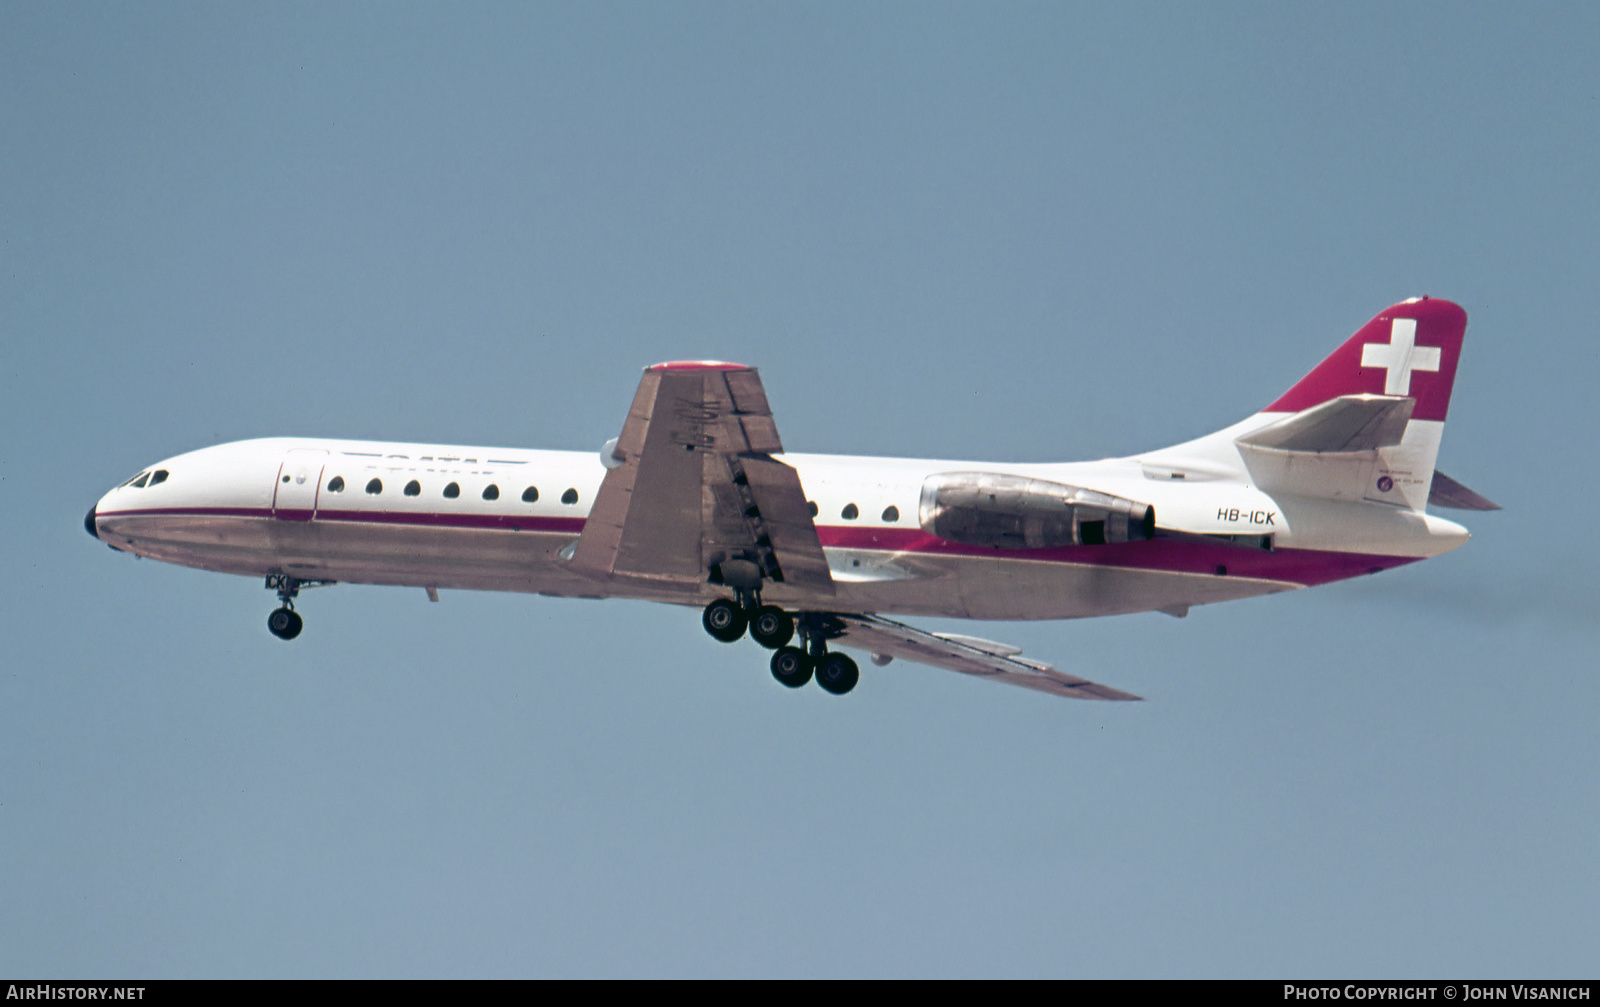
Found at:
<point>336,484</point>
<point>570,496</point>
<point>158,476</point>
<point>413,488</point>
<point>375,486</point>
<point>891,513</point>
<point>530,495</point>
<point>850,512</point>
<point>813,505</point>
<point>491,492</point>
<point>452,491</point>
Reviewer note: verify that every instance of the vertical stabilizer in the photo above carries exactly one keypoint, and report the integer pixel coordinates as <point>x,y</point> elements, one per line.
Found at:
<point>1409,350</point>
<point>1397,369</point>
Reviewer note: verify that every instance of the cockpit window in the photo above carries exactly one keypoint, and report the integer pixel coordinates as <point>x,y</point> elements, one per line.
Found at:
<point>413,488</point>
<point>158,476</point>
<point>336,484</point>
<point>375,486</point>
<point>138,481</point>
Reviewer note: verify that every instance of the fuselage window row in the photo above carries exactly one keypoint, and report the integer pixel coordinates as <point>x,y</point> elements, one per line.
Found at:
<point>375,487</point>
<point>452,491</point>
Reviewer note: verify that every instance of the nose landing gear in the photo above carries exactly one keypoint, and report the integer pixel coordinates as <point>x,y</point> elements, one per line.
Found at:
<point>284,622</point>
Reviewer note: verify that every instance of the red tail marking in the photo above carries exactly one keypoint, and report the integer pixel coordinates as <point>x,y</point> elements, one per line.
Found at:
<point>1416,357</point>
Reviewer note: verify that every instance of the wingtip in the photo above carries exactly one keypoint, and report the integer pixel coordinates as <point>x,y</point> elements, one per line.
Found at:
<point>698,365</point>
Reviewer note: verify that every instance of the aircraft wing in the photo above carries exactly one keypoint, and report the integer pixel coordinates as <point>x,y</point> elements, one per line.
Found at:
<point>693,484</point>
<point>968,655</point>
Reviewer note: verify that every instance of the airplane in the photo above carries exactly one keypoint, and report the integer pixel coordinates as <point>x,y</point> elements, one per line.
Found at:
<point>696,503</point>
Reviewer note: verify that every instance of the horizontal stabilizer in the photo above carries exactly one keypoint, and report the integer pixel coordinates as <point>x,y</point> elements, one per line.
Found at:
<point>1446,492</point>
<point>1346,423</point>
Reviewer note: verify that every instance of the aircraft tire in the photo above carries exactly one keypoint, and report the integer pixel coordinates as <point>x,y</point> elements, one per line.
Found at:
<point>724,620</point>
<point>837,674</point>
<point>771,627</point>
<point>284,623</point>
<point>791,666</point>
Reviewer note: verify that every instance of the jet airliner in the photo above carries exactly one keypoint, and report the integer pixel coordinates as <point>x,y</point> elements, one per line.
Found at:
<point>695,502</point>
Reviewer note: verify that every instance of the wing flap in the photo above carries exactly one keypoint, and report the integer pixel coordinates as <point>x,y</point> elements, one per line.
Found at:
<point>785,524</point>
<point>979,658</point>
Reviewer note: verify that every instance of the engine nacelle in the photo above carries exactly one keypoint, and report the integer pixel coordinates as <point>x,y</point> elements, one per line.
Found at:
<point>1015,512</point>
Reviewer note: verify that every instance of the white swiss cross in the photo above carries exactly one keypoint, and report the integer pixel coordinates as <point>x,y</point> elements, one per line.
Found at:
<point>1400,356</point>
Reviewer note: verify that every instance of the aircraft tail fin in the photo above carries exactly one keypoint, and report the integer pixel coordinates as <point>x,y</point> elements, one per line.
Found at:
<point>1409,350</point>
<point>1365,424</point>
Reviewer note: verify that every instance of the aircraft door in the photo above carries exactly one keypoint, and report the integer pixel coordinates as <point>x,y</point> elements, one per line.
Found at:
<point>294,497</point>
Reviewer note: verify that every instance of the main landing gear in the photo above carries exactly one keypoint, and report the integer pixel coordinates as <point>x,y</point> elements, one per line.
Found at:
<point>284,622</point>
<point>773,628</point>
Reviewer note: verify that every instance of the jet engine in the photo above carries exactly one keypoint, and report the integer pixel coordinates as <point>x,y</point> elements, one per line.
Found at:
<point>1015,512</point>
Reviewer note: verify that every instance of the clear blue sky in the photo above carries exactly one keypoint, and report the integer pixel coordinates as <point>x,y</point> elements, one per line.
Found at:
<point>1020,232</point>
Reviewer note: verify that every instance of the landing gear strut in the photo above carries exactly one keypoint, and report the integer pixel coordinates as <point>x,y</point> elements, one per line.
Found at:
<point>284,622</point>
<point>836,673</point>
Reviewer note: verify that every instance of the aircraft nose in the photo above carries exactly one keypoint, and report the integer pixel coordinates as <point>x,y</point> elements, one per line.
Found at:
<point>88,523</point>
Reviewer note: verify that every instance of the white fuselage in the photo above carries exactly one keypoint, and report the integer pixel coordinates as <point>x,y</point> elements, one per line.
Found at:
<point>444,517</point>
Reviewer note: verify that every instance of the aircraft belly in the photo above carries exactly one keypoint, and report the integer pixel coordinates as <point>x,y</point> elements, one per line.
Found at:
<point>1022,589</point>
<point>357,552</point>
<point>1008,587</point>
<point>222,542</point>
<point>889,583</point>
